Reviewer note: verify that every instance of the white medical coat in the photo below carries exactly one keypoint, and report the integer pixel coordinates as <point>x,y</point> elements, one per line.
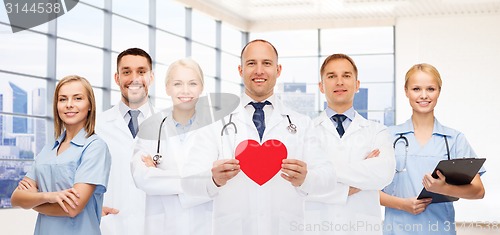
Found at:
<point>122,193</point>
<point>168,209</point>
<point>242,207</point>
<point>360,213</point>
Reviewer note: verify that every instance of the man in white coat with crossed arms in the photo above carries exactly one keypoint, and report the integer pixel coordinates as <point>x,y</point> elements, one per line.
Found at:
<point>361,151</point>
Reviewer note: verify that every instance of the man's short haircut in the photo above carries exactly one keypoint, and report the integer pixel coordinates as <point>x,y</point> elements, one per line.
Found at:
<point>136,52</point>
<point>337,57</point>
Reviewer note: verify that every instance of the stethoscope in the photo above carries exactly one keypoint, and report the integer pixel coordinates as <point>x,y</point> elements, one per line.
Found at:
<point>157,157</point>
<point>407,143</point>
<point>292,128</point>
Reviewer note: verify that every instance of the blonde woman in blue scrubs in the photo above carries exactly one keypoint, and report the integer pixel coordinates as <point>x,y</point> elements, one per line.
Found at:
<point>68,179</point>
<point>427,138</point>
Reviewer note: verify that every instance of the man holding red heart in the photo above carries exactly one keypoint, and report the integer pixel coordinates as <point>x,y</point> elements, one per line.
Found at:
<point>260,170</point>
<point>361,151</point>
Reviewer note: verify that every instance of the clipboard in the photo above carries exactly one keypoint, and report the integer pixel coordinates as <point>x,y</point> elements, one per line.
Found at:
<point>458,171</point>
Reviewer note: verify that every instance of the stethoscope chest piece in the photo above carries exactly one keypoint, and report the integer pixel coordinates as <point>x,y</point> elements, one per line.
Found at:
<point>292,128</point>
<point>157,159</point>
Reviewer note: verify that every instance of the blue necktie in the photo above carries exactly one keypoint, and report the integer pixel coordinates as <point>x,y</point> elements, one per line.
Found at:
<point>133,124</point>
<point>339,118</point>
<point>258,117</point>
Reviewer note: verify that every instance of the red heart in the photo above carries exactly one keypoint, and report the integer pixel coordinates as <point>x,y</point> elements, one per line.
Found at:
<point>260,162</point>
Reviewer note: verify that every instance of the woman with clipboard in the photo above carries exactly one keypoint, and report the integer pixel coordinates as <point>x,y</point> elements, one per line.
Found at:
<point>420,143</point>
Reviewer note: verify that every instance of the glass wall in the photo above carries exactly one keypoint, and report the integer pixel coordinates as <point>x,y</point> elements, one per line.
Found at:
<point>78,43</point>
<point>87,40</point>
<point>302,52</point>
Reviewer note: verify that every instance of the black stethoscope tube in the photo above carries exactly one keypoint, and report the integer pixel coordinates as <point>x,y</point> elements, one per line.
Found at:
<point>157,157</point>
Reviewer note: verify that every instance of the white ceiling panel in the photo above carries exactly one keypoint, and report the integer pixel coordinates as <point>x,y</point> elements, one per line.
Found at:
<point>263,15</point>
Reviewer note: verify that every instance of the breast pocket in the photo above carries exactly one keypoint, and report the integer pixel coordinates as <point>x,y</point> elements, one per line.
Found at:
<point>64,175</point>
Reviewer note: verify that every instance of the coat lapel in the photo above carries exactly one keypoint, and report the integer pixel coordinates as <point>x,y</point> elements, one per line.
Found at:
<point>241,115</point>
<point>356,125</point>
<point>327,124</point>
<point>277,115</point>
<point>117,122</point>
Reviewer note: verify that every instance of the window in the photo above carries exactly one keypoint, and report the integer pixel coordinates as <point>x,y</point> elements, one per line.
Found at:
<point>116,96</point>
<point>229,68</point>
<point>21,137</point>
<point>231,39</point>
<point>299,69</point>
<point>209,84</point>
<point>169,48</point>
<point>205,56</point>
<point>374,40</point>
<point>133,9</point>
<point>98,98</point>
<point>171,16</point>
<point>127,34</point>
<point>203,29</point>
<point>372,49</point>
<point>74,28</point>
<point>233,87</point>
<point>161,100</point>
<point>375,68</point>
<point>291,43</point>
<point>85,61</point>
<point>4,17</point>
<point>23,52</point>
<point>43,28</point>
<point>97,3</point>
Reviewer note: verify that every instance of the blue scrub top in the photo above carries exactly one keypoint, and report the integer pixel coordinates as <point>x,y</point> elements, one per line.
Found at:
<point>87,160</point>
<point>438,218</point>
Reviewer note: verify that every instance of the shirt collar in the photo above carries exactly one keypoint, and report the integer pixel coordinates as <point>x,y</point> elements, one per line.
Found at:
<point>145,109</point>
<point>190,122</point>
<point>78,140</point>
<point>350,113</point>
<point>245,99</point>
<point>438,129</point>
<point>406,128</point>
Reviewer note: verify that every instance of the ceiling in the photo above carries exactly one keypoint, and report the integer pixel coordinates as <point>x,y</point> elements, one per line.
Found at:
<point>265,15</point>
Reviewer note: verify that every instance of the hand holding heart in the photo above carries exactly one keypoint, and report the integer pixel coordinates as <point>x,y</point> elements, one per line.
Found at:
<point>294,171</point>
<point>224,170</point>
<point>261,162</point>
